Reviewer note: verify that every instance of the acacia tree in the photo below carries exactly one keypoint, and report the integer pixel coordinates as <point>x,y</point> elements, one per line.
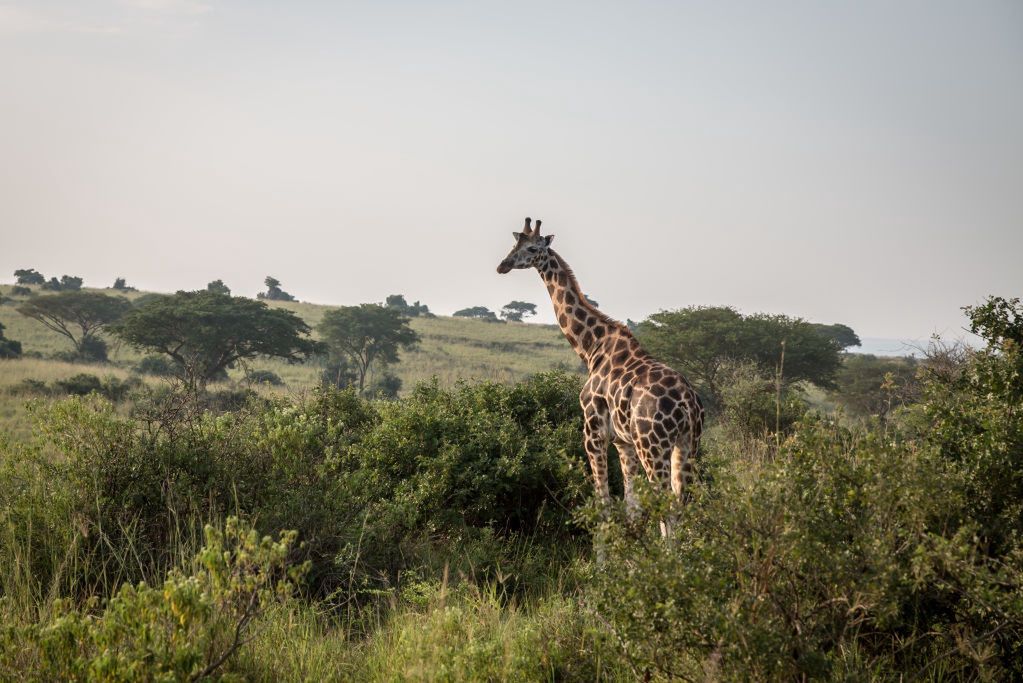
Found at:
<point>701,342</point>
<point>478,312</point>
<point>365,335</point>
<point>205,332</point>
<point>77,315</point>
<point>514,311</point>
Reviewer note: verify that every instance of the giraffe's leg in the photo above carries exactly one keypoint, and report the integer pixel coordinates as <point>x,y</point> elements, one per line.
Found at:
<point>630,470</point>
<point>595,431</point>
<point>656,460</point>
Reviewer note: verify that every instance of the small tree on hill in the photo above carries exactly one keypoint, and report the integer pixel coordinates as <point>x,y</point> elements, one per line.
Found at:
<point>478,312</point>
<point>366,335</point>
<point>205,333</point>
<point>122,286</point>
<point>29,276</point>
<point>516,310</point>
<point>79,316</point>
<point>273,291</point>
<point>218,287</point>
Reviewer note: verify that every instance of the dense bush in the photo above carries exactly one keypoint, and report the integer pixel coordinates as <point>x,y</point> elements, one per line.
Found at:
<point>847,554</point>
<point>157,366</point>
<point>373,489</point>
<point>869,385</point>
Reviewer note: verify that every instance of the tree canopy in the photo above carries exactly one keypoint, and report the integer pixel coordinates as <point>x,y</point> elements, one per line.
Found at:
<point>842,335</point>
<point>218,287</point>
<point>699,341</point>
<point>77,315</point>
<point>366,335</point>
<point>516,310</point>
<point>206,332</point>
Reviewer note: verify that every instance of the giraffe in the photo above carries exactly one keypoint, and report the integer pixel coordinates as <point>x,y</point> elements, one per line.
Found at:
<point>649,411</point>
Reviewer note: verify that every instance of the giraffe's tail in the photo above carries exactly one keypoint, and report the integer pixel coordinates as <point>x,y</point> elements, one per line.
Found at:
<point>683,455</point>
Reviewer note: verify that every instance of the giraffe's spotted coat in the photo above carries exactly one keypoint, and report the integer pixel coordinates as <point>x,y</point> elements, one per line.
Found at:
<point>648,410</point>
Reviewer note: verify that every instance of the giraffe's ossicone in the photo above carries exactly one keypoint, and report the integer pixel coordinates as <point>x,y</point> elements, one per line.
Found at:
<point>646,409</point>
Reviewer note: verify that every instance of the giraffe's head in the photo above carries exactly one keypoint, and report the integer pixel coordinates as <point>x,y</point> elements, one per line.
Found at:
<point>529,250</point>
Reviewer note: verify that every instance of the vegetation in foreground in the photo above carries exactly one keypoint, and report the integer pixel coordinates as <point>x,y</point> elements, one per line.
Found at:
<point>448,535</point>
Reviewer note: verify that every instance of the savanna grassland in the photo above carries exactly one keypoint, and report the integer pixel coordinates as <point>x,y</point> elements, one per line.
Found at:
<point>450,349</point>
<point>854,518</point>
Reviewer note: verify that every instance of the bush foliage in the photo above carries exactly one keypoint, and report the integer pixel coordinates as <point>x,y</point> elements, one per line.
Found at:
<point>450,534</point>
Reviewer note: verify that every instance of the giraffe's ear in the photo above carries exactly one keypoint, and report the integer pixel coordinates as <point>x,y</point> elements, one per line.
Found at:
<point>548,239</point>
<point>517,236</point>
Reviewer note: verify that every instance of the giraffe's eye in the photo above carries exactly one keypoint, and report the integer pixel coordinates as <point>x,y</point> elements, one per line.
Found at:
<point>531,250</point>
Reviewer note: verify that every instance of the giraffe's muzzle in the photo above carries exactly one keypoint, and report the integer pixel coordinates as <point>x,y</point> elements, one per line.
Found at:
<point>505,266</point>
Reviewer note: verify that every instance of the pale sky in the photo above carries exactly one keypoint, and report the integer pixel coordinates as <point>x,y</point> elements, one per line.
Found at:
<point>855,162</point>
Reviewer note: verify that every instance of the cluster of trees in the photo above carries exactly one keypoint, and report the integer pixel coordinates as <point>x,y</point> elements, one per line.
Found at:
<point>30,276</point>
<point>413,310</point>
<point>204,333</point>
<point>513,311</point>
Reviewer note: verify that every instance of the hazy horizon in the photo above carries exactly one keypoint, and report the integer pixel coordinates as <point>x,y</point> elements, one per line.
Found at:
<point>851,162</point>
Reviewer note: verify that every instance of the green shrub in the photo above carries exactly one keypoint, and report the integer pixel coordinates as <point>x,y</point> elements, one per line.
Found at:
<point>753,405</point>
<point>187,629</point>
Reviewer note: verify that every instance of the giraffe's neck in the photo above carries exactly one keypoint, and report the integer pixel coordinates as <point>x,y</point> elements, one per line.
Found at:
<point>583,325</point>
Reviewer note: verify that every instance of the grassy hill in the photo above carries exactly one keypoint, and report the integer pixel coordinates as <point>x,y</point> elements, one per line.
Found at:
<point>452,349</point>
